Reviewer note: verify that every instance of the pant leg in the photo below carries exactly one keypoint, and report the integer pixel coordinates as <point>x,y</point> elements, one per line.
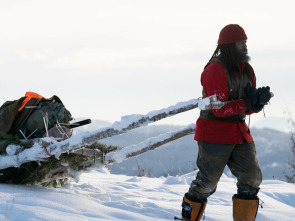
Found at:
<point>244,165</point>
<point>212,159</point>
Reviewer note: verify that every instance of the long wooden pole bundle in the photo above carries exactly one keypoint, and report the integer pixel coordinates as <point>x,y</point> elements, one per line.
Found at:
<point>37,152</point>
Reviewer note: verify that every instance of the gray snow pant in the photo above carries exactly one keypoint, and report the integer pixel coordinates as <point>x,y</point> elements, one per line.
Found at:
<point>212,159</point>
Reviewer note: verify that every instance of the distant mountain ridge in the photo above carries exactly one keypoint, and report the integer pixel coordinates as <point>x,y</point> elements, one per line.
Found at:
<point>277,123</point>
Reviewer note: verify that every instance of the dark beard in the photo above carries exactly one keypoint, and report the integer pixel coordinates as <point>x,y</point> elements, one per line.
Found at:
<point>243,56</point>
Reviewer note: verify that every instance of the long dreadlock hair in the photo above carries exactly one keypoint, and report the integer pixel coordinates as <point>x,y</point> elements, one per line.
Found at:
<point>228,54</point>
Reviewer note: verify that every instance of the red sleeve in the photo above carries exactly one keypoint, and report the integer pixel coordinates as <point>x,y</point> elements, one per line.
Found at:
<point>214,81</point>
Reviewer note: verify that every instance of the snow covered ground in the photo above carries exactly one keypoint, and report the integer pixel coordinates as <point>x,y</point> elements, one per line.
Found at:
<point>100,195</point>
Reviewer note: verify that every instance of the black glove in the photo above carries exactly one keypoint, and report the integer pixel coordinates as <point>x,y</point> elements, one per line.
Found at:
<point>263,95</point>
<point>257,107</point>
<point>250,96</point>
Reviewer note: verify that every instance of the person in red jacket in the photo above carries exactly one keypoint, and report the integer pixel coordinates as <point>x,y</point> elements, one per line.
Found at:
<point>222,134</point>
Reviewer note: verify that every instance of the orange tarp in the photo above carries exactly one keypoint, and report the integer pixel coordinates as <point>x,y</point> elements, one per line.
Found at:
<point>29,95</point>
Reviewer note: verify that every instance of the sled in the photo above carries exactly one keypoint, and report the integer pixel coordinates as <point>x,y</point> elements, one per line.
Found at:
<point>49,162</point>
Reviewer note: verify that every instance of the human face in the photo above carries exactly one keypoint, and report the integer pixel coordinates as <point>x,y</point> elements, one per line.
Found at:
<point>243,51</point>
<point>242,47</point>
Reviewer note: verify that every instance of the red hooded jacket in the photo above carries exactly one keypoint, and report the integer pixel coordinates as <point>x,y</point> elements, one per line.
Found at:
<point>214,81</point>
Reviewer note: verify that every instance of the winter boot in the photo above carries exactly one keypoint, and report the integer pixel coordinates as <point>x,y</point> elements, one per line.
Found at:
<point>192,208</point>
<point>245,207</point>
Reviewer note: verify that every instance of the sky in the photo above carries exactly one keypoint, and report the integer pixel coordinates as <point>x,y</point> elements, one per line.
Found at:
<point>107,59</point>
